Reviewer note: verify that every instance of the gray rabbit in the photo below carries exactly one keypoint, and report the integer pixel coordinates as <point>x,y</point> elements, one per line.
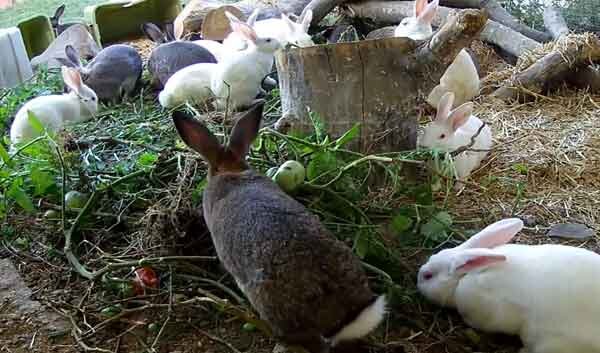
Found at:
<point>112,74</point>
<point>170,55</point>
<point>56,23</point>
<point>307,285</point>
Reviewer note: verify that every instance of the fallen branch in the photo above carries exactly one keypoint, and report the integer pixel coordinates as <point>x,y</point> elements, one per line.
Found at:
<point>570,53</point>
<point>391,12</point>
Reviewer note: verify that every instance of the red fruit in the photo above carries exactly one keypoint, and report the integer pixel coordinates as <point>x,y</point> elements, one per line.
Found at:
<point>145,277</point>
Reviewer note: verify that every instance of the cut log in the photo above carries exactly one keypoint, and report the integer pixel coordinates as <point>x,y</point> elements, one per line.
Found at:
<point>194,13</point>
<point>379,83</point>
<point>573,52</point>
<point>512,42</point>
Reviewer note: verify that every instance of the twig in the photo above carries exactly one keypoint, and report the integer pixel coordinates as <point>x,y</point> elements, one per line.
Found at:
<point>216,339</point>
<point>471,143</point>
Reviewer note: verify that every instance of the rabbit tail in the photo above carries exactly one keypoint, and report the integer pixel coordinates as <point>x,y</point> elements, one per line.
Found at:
<point>364,323</point>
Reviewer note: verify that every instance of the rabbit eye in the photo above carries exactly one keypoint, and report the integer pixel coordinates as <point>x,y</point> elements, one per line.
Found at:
<point>268,41</point>
<point>427,276</point>
<point>442,136</point>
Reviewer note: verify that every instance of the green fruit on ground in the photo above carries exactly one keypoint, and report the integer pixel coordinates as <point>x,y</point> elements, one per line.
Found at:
<point>75,199</point>
<point>290,175</point>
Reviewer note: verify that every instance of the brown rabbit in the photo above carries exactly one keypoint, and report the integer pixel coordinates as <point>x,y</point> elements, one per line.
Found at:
<point>307,285</point>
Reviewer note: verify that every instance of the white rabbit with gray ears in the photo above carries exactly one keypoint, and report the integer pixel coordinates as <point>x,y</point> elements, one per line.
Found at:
<point>547,294</point>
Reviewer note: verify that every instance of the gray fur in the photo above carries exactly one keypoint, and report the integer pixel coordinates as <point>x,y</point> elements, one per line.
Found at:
<point>171,56</point>
<point>302,280</point>
<point>113,73</point>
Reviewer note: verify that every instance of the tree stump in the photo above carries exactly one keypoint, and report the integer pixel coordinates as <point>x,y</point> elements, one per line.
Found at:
<point>379,83</point>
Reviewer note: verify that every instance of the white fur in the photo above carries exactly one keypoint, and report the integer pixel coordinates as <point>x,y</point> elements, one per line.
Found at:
<point>364,323</point>
<point>444,134</point>
<point>56,111</point>
<point>461,76</point>
<point>283,29</point>
<point>190,84</point>
<point>217,49</point>
<point>547,294</point>
<point>235,81</point>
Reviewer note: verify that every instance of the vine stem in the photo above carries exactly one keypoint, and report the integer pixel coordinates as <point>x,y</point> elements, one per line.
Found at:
<point>68,248</point>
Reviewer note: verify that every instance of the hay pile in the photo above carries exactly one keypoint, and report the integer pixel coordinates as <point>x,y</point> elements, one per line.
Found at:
<point>545,166</point>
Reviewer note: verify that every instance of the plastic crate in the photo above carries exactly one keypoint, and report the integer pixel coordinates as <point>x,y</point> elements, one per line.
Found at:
<point>112,22</point>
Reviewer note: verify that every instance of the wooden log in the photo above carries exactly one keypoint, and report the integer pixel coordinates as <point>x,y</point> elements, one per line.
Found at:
<point>379,83</point>
<point>512,42</point>
<point>190,20</point>
<point>497,13</point>
<point>391,12</point>
<point>538,77</point>
<point>585,76</point>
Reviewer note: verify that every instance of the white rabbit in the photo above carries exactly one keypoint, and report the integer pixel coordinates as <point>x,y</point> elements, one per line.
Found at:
<point>190,84</point>
<point>451,130</point>
<point>234,81</point>
<point>218,50</point>
<point>56,111</point>
<point>546,294</point>
<point>461,76</point>
<point>283,29</point>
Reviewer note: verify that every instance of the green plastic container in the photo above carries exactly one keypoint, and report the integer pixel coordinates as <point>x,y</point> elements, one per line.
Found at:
<point>112,22</point>
<point>37,34</point>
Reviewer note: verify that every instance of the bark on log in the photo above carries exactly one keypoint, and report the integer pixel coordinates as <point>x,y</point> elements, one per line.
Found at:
<point>497,13</point>
<point>391,12</point>
<point>585,76</point>
<point>538,77</point>
<point>191,18</point>
<point>378,83</point>
<point>512,42</point>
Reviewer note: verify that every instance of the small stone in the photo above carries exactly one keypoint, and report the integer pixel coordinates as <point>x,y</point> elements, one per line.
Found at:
<point>571,231</point>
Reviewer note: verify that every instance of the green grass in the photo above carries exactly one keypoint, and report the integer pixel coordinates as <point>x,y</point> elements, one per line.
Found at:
<point>27,8</point>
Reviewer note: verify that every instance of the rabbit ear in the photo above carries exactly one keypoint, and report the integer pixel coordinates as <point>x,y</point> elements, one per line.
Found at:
<point>444,106</point>
<point>306,19</point>
<point>495,234</point>
<point>170,32</point>
<point>198,137</point>
<point>154,33</point>
<point>288,22</point>
<point>245,130</point>
<point>72,55</point>
<point>241,28</point>
<point>59,12</point>
<point>474,259</point>
<point>427,14</point>
<point>72,79</point>
<point>460,115</point>
<point>419,7</point>
<point>252,18</point>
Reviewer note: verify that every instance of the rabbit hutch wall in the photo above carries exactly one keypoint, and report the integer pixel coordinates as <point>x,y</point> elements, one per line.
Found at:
<point>379,83</point>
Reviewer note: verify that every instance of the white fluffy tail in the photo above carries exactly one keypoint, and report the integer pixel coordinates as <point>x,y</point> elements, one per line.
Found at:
<point>365,322</point>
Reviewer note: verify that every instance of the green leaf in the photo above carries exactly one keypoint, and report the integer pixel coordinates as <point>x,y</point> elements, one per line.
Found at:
<point>348,136</point>
<point>197,193</point>
<point>42,181</point>
<point>5,157</point>
<point>401,223</point>
<point>321,163</point>
<point>318,125</point>
<point>147,159</point>
<point>21,198</point>
<point>34,122</point>
<point>424,195</point>
<point>436,227</point>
